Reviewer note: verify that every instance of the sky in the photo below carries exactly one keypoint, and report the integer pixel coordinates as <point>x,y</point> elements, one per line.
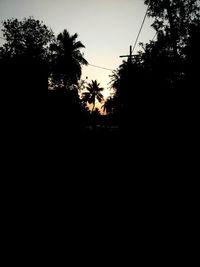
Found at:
<point>106,27</point>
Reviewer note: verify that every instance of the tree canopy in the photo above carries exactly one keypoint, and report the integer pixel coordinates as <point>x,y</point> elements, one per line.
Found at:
<point>93,93</point>
<point>67,59</point>
<point>158,82</point>
<point>28,37</point>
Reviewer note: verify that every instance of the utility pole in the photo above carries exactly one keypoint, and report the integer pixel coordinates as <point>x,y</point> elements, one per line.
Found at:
<point>130,56</point>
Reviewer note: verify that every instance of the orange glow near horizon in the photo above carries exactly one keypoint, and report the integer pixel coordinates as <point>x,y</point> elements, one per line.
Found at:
<point>90,73</point>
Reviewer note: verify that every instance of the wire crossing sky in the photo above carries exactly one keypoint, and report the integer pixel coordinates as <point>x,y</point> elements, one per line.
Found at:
<point>136,41</point>
<point>106,27</point>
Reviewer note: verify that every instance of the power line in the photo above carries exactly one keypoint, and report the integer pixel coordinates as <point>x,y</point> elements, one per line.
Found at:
<point>99,67</point>
<point>154,36</point>
<point>140,29</point>
<point>88,64</point>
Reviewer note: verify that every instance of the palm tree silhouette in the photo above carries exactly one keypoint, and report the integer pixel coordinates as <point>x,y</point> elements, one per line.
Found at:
<point>67,58</point>
<point>108,105</point>
<point>93,93</point>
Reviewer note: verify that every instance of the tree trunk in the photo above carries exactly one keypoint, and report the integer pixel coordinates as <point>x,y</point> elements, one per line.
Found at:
<point>93,117</point>
<point>172,29</point>
<point>93,106</point>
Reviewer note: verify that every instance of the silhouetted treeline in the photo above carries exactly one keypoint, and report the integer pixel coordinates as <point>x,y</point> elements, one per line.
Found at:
<point>156,90</point>
<point>32,61</point>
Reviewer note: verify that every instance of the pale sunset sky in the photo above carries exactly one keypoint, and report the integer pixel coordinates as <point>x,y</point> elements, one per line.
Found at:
<point>106,27</point>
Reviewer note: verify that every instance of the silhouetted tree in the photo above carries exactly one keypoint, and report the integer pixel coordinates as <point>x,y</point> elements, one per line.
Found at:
<point>30,57</point>
<point>153,89</point>
<point>129,85</point>
<point>96,112</point>
<point>24,55</point>
<point>93,93</point>
<point>176,23</point>
<point>108,105</point>
<point>174,18</point>
<point>67,59</point>
<point>66,62</point>
<point>28,37</point>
